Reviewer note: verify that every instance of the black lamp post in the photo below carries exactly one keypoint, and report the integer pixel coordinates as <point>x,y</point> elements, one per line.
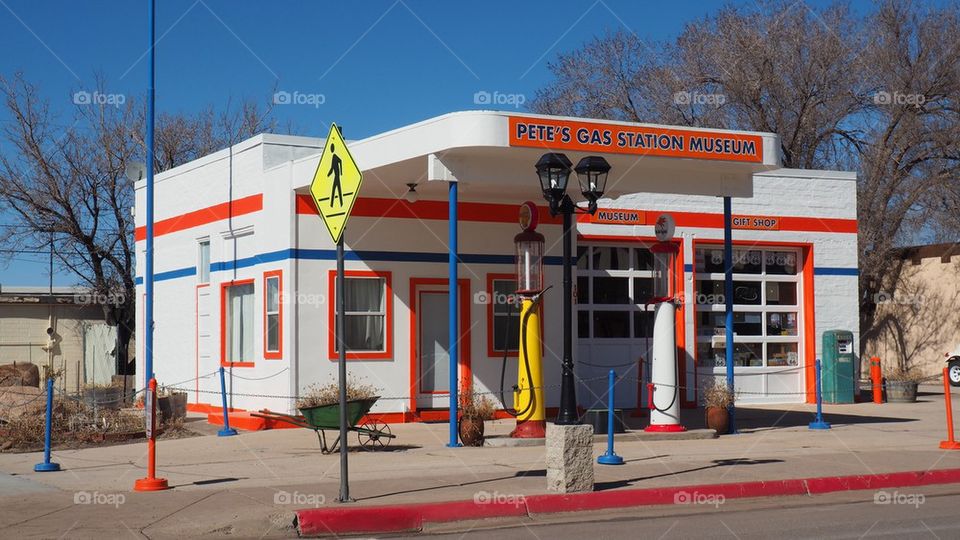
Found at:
<point>554,172</point>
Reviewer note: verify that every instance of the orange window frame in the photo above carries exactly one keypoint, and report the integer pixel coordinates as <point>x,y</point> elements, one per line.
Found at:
<point>267,353</point>
<point>806,297</point>
<point>223,321</point>
<point>387,353</point>
<point>492,352</point>
<point>680,319</point>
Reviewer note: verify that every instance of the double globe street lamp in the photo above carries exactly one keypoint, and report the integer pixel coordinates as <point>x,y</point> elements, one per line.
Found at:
<point>554,172</point>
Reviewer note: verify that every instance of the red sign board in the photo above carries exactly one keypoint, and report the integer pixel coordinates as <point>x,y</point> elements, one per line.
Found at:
<point>558,134</point>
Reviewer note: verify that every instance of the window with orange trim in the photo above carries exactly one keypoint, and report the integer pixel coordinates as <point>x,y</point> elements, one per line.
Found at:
<point>503,315</point>
<point>273,314</point>
<point>767,306</point>
<point>236,323</point>
<point>368,329</point>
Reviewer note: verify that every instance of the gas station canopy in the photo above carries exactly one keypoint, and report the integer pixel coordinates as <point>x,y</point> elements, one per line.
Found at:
<point>487,151</point>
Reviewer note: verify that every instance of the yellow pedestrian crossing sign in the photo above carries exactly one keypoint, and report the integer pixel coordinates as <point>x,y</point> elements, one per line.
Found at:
<point>336,184</point>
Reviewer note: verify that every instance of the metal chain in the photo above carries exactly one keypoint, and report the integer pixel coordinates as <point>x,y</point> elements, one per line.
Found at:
<point>382,398</point>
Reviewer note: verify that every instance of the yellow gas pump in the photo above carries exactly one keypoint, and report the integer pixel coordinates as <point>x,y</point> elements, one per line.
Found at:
<point>528,394</point>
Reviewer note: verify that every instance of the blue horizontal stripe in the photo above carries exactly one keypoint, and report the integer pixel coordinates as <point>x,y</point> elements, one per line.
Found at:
<point>832,271</point>
<point>331,254</point>
<point>688,268</point>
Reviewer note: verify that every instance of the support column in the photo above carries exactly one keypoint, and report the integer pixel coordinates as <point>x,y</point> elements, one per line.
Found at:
<point>728,298</point>
<point>454,311</point>
<point>148,270</point>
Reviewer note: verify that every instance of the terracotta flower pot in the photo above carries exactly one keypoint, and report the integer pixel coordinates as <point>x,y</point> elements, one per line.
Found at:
<point>471,431</point>
<point>718,419</point>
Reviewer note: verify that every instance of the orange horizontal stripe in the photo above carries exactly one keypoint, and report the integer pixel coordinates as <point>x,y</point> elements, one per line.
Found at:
<point>435,210</point>
<point>508,213</point>
<point>203,216</point>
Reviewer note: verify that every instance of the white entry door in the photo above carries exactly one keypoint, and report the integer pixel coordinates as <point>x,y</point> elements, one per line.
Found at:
<point>206,360</point>
<point>433,349</point>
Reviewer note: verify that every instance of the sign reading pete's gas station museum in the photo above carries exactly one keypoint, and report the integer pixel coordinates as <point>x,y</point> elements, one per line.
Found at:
<point>561,134</point>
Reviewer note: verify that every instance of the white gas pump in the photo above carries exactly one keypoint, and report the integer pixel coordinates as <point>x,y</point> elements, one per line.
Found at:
<point>663,390</point>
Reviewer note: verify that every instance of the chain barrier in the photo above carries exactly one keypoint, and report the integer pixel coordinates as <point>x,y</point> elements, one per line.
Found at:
<point>382,398</point>
<point>258,378</point>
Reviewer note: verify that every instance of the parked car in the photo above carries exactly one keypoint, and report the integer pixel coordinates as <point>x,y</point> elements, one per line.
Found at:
<point>953,366</point>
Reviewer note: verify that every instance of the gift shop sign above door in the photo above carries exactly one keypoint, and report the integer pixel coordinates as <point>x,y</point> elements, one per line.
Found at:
<point>561,134</point>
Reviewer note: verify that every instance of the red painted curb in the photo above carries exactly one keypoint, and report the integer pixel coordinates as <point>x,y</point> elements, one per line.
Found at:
<point>405,518</point>
<point>600,500</point>
<point>358,520</point>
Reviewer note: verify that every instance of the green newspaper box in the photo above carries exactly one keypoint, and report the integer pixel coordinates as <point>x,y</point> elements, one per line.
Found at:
<point>839,367</point>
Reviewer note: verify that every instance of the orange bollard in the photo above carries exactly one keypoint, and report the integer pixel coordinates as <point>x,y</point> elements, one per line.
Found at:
<point>151,482</point>
<point>948,444</point>
<point>877,377</point>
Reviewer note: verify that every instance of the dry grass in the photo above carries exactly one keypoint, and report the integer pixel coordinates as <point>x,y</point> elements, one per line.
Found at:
<point>318,395</point>
<point>74,424</point>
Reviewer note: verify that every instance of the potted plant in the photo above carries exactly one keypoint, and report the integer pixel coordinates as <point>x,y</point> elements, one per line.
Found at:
<point>901,386</point>
<point>474,410</point>
<point>717,399</point>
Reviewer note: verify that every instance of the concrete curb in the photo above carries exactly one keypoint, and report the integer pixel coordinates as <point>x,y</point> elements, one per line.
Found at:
<point>412,517</point>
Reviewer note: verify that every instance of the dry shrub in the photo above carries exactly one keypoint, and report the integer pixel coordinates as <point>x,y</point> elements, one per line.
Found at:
<point>318,395</point>
<point>716,393</point>
<point>73,424</point>
<point>476,406</point>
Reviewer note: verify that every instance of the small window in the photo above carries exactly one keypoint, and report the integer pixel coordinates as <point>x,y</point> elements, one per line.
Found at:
<point>365,314</point>
<point>238,323</point>
<point>506,316</point>
<point>272,317</point>
<point>203,262</point>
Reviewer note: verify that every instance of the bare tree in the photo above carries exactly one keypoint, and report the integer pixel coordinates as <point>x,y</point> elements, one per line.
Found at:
<point>877,94</point>
<point>781,68</point>
<point>909,161</point>
<point>65,183</point>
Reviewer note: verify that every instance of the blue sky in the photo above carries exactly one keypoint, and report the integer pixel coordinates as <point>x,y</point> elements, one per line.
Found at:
<point>377,64</point>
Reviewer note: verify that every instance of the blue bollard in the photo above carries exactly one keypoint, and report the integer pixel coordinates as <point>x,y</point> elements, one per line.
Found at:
<point>226,431</point>
<point>47,466</point>
<point>610,458</point>
<point>819,423</point>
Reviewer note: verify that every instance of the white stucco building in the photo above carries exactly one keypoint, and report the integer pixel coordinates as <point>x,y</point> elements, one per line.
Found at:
<point>245,269</point>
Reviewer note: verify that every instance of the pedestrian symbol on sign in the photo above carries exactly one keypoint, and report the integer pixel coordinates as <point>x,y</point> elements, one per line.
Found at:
<point>336,168</point>
<point>335,184</point>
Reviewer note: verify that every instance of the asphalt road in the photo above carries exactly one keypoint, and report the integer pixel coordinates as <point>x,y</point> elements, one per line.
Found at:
<point>902,513</point>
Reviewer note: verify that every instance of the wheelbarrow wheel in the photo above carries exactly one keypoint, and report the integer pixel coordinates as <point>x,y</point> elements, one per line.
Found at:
<point>374,435</point>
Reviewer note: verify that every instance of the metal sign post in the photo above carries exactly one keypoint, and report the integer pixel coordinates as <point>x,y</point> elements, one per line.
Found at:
<point>334,189</point>
<point>342,364</point>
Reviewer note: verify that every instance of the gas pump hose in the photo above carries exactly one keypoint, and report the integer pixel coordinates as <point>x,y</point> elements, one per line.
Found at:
<point>523,343</point>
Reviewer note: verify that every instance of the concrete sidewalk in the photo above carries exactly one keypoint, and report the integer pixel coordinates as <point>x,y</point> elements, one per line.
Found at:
<point>249,485</point>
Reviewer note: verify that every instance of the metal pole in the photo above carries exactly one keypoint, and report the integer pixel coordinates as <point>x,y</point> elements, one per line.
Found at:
<point>818,422</point>
<point>454,327</point>
<point>148,270</point>
<point>342,364</point>
<point>728,300</point>
<point>227,431</point>
<point>47,466</point>
<point>610,458</point>
<point>568,391</point>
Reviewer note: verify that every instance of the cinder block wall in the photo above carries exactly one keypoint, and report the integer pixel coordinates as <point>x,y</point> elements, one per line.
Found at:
<point>23,333</point>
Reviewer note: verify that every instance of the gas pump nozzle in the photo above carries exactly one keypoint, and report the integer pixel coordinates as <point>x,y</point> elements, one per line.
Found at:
<point>537,298</point>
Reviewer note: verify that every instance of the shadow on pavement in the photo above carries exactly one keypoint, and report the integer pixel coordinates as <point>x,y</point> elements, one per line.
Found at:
<point>759,419</point>
<point>600,486</point>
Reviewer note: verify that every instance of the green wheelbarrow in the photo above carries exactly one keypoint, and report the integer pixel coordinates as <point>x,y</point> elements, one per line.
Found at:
<point>372,435</point>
